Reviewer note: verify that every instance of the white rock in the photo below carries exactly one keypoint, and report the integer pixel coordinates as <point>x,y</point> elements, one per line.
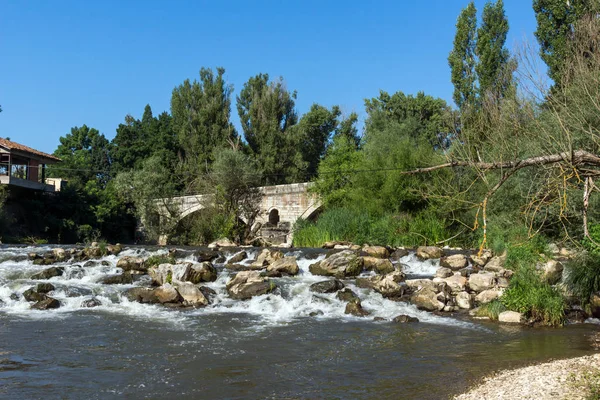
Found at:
<point>482,281</point>
<point>488,295</point>
<point>511,317</point>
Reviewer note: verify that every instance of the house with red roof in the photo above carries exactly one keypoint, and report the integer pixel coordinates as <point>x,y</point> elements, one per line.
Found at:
<point>24,167</point>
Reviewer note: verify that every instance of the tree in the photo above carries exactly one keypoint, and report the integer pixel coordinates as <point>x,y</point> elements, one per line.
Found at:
<point>267,113</point>
<point>347,128</point>
<point>556,21</point>
<point>493,57</point>
<point>201,120</point>
<point>462,58</point>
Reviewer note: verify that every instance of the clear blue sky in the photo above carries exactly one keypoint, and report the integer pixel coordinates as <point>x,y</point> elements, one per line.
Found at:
<point>69,63</point>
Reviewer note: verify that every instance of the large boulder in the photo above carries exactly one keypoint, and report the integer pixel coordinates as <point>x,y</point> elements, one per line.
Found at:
<point>203,272</point>
<point>167,294</point>
<point>495,264</point>
<point>376,251</point>
<point>443,272</point>
<point>379,265</point>
<point>464,300</point>
<point>130,263</point>
<point>247,284</point>
<point>238,257</point>
<point>331,286</point>
<point>455,262</point>
<point>511,317</point>
<point>141,295</point>
<point>457,283</point>
<point>33,295</point>
<point>267,257</point>
<point>487,296</point>
<point>482,281</point>
<point>429,252</point>
<point>418,284</point>
<point>341,265</point>
<point>354,307</point>
<point>46,304</point>
<point>44,287</point>
<point>552,271</point>
<point>191,294</point>
<point>114,249</point>
<point>285,265</point>
<point>122,279</point>
<point>426,299</point>
<point>60,254</point>
<point>49,273</point>
<point>388,285</point>
<point>223,242</point>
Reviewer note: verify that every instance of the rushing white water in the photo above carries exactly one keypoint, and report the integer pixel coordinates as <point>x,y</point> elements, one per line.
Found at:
<point>292,300</point>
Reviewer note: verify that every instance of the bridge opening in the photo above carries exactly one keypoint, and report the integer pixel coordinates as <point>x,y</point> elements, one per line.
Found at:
<point>274,217</point>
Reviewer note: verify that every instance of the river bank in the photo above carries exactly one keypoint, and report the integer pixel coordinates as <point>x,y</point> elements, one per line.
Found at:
<point>570,379</point>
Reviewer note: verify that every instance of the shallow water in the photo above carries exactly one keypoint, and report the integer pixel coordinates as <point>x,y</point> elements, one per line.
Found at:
<point>268,347</point>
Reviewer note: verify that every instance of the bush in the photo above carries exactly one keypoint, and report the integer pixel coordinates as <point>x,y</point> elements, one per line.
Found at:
<point>529,295</point>
<point>157,260</point>
<point>491,310</point>
<point>582,276</point>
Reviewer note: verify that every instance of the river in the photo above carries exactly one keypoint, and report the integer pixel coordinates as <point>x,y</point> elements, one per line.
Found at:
<point>288,344</point>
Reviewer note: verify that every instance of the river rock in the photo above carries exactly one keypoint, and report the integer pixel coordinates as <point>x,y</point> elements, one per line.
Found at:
<point>426,299</point>
<point>130,263</point>
<point>167,294</point>
<point>379,265</point>
<point>511,317</point>
<point>208,293</point>
<point>354,307</point>
<point>141,295</point>
<point>243,267</point>
<point>482,281</point>
<point>327,286</point>
<point>239,257</point>
<point>46,304</point>
<point>122,279</point>
<point>196,273</point>
<point>60,254</point>
<point>49,273</point>
<point>429,252</point>
<point>191,295</point>
<point>464,300</point>
<point>398,254</point>
<point>376,251</point>
<point>247,284</point>
<point>387,285</point>
<point>552,271</point>
<point>223,242</point>
<point>206,255</point>
<point>346,295</point>
<point>286,265</point>
<point>417,284</point>
<point>44,287</point>
<point>332,244</point>
<point>496,264</point>
<point>487,296</point>
<point>403,319</point>
<point>89,303</point>
<point>114,249</point>
<point>443,272</point>
<point>343,264</point>
<point>454,262</point>
<point>456,283</point>
<point>267,257</point>
<point>480,260</point>
<point>32,295</point>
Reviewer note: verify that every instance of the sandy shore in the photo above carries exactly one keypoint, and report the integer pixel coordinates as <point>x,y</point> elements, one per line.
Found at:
<point>562,379</point>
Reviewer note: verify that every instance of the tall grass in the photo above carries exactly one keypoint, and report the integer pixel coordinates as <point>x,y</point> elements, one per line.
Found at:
<point>582,276</point>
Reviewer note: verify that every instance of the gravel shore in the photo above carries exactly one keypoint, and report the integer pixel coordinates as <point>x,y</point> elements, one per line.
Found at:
<point>561,379</point>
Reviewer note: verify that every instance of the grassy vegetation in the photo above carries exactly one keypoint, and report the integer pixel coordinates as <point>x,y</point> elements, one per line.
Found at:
<point>491,310</point>
<point>583,276</point>
<point>157,260</point>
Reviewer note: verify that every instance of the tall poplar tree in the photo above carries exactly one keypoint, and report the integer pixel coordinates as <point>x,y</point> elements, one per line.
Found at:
<point>462,57</point>
<point>493,57</point>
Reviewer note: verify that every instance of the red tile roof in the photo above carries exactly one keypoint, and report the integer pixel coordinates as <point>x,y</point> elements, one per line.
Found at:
<point>10,145</point>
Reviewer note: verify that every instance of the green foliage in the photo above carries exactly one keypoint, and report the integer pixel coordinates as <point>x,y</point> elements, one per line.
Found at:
<point>592,245</point>
<point>159,259</point>
<point>462,58</point>
<point>582,276</point>
<point>204,227</point>
<point>537,300</point>
<point>491,310</point>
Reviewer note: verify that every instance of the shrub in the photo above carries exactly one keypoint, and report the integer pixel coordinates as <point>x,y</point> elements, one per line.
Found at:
<point>157,260</point>
<point>491,310</point>
<point>582,276</point>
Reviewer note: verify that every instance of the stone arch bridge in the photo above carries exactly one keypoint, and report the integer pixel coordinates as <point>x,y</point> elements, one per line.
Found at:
<point>280,207</point>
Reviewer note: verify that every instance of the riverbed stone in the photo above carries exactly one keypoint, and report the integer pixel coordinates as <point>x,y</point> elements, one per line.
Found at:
<point>46,304</point>
<point>206,255</point>
<point>482,281</point>
<point>287,265</point>
<point>456,283</point>
<point>443,272</point>
<point>330,286</point>
<point>60,254</point>
<point>429,252</point>
<point>480,260</point>
<point>403,319</point>
<point>191,294</point>
<point>202,272</point>
<point>167,294</point>
<point>417,284</point>
<point>511,317</point>
<point>49,273</point>
<point>223,242</point>
<point>122,279</point>
<point>496,264</point>
<point>131,263</point>
<point>552,271</point>
<point>354,307</point>
<point>376,251</point>
<point>341,265</point>
<point>238,257</point>
<point>387,285</point>
<point>379,265</point>
<point>141,295</point>
<point>44,287</point>
<point>426,299</point>
<point>208,293</point>
<point>398,254</point>
<point>346,295</point>
<point>32,295</point>
<point>464,300</point>
<point>267,257</point>
<point>455,261</point>
<point>90,303</point>
<point>247,284</point>
<point>487,296</point>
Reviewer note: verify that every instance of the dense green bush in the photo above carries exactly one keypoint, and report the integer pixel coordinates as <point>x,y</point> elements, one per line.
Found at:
<point>583,276</point>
